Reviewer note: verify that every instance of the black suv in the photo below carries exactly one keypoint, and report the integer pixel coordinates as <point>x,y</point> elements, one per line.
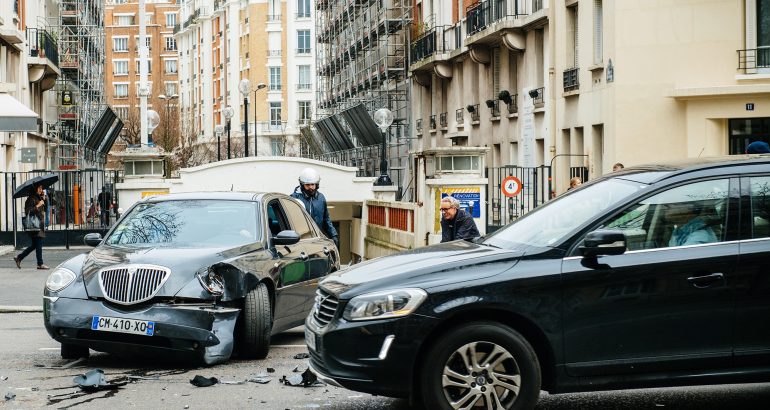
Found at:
<point>654,275</point>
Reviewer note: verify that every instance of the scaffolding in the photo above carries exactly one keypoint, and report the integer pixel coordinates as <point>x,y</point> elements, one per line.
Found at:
<point>362,58</point>
<point>80,88</point>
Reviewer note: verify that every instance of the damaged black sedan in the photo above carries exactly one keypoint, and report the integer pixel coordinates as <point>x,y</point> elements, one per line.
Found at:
<point>202,274</point>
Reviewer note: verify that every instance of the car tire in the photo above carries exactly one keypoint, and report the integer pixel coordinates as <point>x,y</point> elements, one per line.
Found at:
<point>69,351</point>
<point>257,323</point>
<point>447,377</point>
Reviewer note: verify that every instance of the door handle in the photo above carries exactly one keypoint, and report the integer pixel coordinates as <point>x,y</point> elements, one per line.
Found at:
<point>702,282</point>
<point>303,256</point>
<point>326,250</point>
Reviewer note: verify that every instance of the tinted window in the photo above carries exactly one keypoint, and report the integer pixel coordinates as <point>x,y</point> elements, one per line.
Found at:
<point>276,220</point>
<point>686,215</point>
<point>760,207</point>
<point>189,224</point>
<point>297,217</point>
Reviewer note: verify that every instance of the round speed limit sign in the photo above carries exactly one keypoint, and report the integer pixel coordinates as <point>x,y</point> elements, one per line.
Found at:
<point>511,186</point>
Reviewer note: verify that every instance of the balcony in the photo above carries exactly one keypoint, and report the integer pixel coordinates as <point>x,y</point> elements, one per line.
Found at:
<point>571,80</point>
<point>513,106</point>
<point>303,51</point>
<point>754,60</point>
<point>442,121</point>
<point>418,126</point>
<point>494,108</point>
<point>272,127</point>
<point>459,116</point>
<point>483,14</point>
<point>274,53</point>
<point>475,114</point>
<point>432,122</point>
<point>274,17</point>
<point>538,97</point>
<point>302,15</point>
<point>42,45</point>
<point>303,86</point>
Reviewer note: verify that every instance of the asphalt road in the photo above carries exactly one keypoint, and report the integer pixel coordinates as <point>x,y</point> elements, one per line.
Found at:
<point>32,370</point>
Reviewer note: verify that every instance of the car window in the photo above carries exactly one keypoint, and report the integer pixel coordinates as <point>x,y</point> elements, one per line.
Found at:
<point>276,219</point>
<point>686,215</point>
<point>760,207</point>
<point>298,220</point>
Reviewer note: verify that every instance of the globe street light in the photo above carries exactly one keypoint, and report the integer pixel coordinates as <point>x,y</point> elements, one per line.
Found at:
<point>153,120</point>
<point>259,87</point>
<point>219,130</point>
<point>229,112</point>
<point>245,89</point>
<point>383,118</point>
<point>168,101</point>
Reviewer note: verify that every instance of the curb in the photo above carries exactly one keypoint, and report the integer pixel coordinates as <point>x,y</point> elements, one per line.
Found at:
<point>21,309</point>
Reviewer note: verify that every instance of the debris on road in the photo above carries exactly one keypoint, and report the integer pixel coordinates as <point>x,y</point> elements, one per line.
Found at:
<point>299,368</point>
<point>10,396</point>
<point>94,381</point>
<point>306,379</point>
<point>200,381</point>
<point>262,378</point>
<point>302,356</point>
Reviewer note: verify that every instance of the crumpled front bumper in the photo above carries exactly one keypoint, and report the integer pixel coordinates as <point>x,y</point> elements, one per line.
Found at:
<point>204,329</point>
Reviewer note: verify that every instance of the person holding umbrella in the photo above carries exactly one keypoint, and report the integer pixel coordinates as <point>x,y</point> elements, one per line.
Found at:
<point>35,205</point>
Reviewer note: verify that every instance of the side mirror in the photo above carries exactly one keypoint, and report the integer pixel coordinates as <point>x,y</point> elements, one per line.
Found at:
<point>286,238</point>
<point>603,242</point>
<point>92,239</point>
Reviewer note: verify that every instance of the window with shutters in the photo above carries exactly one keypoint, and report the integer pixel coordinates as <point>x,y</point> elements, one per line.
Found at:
<point>495,71</point>
<point>598,32</point>
<point>572,35</point>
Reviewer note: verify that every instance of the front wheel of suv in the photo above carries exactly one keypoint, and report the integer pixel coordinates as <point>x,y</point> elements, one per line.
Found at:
<point>482,364</point>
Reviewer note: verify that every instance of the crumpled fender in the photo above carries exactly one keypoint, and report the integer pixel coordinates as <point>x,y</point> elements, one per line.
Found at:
<point>238,283</point>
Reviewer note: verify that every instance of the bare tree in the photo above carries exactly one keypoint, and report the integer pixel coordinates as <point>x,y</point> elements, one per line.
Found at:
<point>132,126</point>
<point>167,133</point>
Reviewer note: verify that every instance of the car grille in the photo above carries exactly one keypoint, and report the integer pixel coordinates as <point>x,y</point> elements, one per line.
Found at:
<point>325,307</point>
<point>132,284</point>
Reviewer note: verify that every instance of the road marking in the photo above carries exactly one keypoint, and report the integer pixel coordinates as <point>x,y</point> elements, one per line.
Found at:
<point>49,348</point>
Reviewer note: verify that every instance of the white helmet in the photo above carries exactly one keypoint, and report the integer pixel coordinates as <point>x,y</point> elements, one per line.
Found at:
<point>309,176</point>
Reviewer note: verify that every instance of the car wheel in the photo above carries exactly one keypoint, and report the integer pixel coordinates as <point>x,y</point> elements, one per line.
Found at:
<point>257,323</point>
<point>485,365</point>
<point>73,351</point>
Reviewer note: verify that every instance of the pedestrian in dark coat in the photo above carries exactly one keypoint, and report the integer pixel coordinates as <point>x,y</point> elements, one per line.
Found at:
<point>315,202</point>
<point>455,222</point>
<point>35,205</point>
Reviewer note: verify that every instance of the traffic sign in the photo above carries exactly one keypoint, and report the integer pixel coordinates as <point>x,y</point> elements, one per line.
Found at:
<point>511,186</point>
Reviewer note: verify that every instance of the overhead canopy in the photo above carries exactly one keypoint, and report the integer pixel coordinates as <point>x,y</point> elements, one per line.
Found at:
<point>334,134</point>
<point>99,132</point>
<point>111,137</point>
<point>362,125</point>
<point>15,116</point>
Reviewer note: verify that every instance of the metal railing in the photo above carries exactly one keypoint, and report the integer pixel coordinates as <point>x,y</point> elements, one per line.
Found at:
<point>302,15</point>
<point>513,107</point>
<point>303,86</point>
<point>274,53</point>
<point>303,50</point>
<point>753,58</point>
<point>418,124</point>
<point>481,15</point>
<point>442,120</point>
<point>474,110</point>
<point>571,79</point>
<point>43,45</point>
<point>273,17</point>
<point>459,115</point>
<point>540,98</point>
<point>435,40</point>
<point>494,108</point>
<point>432,122</point>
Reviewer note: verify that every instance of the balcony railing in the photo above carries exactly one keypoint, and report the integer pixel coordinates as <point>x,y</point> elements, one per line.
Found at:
<point>571,81</point>
<point>435,40</point>
<point>303,51</point>
<point>418,125</point>
<point>43,45</point>
<point>474,110</point>
<point>273,17</point>
<point>433,122</point>
<point>302,15</point>
<point>274,53</point>
<point>442,120</point>
<point>274,87</point>
<point>513,107</point>
<point>494,108</point>
<point>303,86</point>
<point>480,15</point>
<point>539,98</point>
<point>753,58</point>
<point>459,115</point>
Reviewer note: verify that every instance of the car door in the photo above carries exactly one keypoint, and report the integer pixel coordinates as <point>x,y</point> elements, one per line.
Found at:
<point>316,257</point>
<point>661,305</point>
<point>752,282</point>
<point>288,264</point>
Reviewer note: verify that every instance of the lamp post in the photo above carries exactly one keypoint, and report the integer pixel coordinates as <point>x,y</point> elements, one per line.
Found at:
<point>383,118</point>
<point>259,87</point>
<point>219,130</point>
<point>168,101</point>
<point>245,89</point>
<point>229,112</point>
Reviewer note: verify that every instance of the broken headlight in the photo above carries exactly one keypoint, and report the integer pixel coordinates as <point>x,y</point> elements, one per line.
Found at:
<point>384,305</point>
<point>212,281</point>
<point>59,279</point>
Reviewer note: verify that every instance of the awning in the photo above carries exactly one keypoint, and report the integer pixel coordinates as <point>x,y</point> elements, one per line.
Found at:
<point>15,116</point>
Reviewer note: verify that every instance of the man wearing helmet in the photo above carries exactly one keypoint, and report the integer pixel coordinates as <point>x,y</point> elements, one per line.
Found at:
<point>315,202</point>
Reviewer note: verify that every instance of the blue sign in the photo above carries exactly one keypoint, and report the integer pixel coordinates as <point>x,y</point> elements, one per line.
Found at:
<point>470,202</point>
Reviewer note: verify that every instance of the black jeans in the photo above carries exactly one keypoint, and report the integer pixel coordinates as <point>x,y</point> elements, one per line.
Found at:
<point>37,246</point>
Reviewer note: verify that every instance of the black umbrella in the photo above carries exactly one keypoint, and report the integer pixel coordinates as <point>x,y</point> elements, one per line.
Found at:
<point>28,187</point>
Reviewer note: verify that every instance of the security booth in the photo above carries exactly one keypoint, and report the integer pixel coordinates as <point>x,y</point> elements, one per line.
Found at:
<point>443,171</point>
<point>144,174</point>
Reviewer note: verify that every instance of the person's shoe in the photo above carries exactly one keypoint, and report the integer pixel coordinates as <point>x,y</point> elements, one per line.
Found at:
<point>43,267</point>
<point>18,262</point>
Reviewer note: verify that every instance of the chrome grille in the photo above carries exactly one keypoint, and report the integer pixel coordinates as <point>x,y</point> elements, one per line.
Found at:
<point>325,307</point>
<point>132,283</point>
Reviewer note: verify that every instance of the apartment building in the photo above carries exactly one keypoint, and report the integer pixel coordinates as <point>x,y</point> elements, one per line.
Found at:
<point>268,43</point>
<point>578,85</point>
<point>122,67</point>
<point>29,69</point>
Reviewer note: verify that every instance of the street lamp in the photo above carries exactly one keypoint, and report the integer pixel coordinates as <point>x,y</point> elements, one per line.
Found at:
<point>259,87</point>
<point>229,112</point>
<point>245,89</point>
<point>383,118</point>
<point>168,101</point>
<point>153,119</point>
<point>219,130</point>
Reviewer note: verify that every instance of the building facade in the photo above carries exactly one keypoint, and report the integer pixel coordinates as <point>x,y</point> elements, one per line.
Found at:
<point>583,84</point>
<point>122,69</point>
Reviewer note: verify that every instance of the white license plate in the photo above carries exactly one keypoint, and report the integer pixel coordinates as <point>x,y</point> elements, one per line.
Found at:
<point>310,339</point>
<point>120,325</point>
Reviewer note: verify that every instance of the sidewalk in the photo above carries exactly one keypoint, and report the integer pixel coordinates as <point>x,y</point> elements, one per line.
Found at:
<point>22,289</point>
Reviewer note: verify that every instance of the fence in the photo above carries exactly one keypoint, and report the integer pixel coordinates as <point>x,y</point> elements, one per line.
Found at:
<point>73,205</point>
<point>535,191</point>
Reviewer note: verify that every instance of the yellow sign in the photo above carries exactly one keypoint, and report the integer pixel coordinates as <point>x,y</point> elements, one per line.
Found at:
<point>152,193</point>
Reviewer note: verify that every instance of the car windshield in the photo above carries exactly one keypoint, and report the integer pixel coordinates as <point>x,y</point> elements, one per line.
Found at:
<point>189,224</point>
<point>550,224</point>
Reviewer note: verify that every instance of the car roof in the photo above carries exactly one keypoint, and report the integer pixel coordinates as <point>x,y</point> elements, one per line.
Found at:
<point>670,169</point>
<point>224,195</point>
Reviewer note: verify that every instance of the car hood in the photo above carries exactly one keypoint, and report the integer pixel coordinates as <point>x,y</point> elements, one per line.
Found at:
<point>183,263</point>
<point>427,267</point>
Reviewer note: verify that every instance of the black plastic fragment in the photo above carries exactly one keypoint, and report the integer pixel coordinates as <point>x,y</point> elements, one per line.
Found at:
<point>10,396</point>
<point>302,356</point>
<point>94,381</point>
<point>200,381</point>
<point>306,379</point>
